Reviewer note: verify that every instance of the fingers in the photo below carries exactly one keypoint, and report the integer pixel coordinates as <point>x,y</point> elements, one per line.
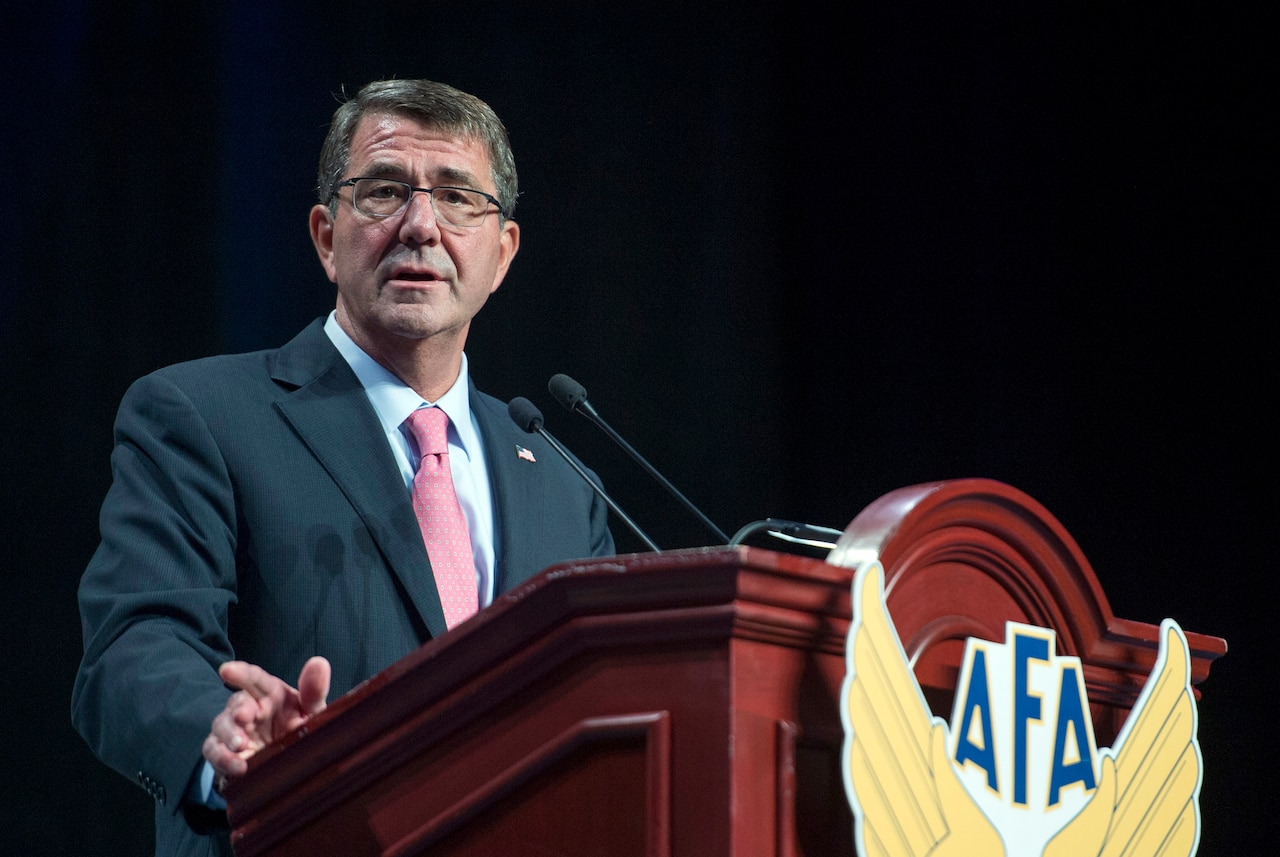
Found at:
<point>262,707</point>
<point>240,723</point>
<point>247,722</point>
<point>225,761</point>
<point>262,699</point>
<point>313,686</point>
<point>250,678</point>
<point>228,745</point>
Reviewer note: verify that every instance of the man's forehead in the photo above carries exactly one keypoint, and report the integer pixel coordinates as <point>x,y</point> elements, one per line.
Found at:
<point>390,137</point>
<point>375,129</point>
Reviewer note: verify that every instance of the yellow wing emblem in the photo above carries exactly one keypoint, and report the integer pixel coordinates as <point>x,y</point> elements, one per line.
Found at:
<point>908,800</point>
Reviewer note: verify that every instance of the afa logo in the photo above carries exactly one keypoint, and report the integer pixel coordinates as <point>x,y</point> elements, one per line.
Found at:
<point>1016,773</point>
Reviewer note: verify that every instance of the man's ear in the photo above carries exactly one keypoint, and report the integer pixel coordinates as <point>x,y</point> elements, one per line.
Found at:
<point>321,225</point>
<point>509,245</point>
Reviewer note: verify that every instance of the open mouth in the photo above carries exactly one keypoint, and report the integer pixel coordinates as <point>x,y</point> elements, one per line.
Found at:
<point>409,276</point>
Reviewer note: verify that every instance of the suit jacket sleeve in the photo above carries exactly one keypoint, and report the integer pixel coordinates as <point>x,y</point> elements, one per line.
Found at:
<point>155,595</point>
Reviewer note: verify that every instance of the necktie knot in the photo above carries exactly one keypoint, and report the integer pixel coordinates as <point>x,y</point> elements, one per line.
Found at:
<point>430,429</point>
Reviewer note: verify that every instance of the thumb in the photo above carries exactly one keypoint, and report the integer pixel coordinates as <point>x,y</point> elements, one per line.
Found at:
<point>313,685</point>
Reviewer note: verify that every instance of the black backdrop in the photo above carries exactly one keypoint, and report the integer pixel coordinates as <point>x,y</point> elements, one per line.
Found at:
<point>799,258</point>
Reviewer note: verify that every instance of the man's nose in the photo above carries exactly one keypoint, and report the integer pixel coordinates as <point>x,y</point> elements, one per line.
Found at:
<point>419,219</point>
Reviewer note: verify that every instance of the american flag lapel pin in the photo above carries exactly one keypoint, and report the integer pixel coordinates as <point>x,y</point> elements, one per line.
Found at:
<point>524,454</point>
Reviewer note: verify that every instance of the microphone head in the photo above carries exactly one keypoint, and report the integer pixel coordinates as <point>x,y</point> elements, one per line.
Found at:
<point>525,414</point>
<point>567,391</point>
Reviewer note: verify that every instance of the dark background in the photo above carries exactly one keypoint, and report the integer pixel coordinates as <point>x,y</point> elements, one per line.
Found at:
<point>799,258</point>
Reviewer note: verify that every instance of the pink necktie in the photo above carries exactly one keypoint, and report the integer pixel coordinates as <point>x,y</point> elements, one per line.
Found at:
<point>444,528</point>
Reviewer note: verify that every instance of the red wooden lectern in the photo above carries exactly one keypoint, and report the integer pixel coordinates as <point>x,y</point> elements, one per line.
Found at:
<point>678,704</point>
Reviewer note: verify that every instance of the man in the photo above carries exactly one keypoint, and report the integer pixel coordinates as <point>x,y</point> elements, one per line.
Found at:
<point>259,525</point>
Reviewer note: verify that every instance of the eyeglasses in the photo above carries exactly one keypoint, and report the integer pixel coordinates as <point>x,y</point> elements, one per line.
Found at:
<point>456,206</point>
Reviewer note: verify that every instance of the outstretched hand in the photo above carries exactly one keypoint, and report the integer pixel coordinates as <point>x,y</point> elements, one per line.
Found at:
<point>263,708</point>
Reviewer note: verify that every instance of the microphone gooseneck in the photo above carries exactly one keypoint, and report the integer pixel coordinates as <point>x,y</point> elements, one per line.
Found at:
<point>795,532</point>
<point>526,415</point>
<point>573,396</point>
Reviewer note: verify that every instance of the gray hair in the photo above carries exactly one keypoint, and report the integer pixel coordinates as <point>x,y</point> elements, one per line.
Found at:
<point>435,105</point>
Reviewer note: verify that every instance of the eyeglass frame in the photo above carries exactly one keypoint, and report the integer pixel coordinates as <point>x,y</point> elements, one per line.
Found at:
<point>429,191</point>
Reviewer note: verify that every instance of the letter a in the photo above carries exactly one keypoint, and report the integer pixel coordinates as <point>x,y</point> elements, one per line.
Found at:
<point>977,702</point>
<point>1071,716</point>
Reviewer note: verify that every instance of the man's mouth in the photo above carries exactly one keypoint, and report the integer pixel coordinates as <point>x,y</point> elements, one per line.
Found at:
<point>415,276</point>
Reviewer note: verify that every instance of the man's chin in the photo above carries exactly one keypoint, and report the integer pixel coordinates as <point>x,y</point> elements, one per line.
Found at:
<point>418,321</point>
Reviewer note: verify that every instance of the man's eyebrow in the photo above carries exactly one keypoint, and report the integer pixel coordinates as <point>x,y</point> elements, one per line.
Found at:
<point>383,170</point>
<point>451,176</point>
<point>454,176</point>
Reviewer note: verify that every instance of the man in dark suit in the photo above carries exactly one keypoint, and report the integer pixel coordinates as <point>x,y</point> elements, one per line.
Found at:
<point>259,523</point>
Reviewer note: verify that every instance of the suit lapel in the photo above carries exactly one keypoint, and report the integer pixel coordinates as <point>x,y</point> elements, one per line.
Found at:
<point>516,484</point>
<point>333,417</point>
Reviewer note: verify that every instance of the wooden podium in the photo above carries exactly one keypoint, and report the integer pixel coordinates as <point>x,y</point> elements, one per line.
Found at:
<point>678,704</point>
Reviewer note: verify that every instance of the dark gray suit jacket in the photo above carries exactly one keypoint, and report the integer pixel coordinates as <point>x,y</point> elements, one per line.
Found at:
<point>257,513</point>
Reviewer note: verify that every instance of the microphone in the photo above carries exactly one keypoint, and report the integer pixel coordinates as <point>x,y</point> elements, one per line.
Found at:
<point>526,415</point>
<point>573,396</point>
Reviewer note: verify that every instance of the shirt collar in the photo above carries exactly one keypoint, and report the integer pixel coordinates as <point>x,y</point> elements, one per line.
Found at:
<point>393,400</point>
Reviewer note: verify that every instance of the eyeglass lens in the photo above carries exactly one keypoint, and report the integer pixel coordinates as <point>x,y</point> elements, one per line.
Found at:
<point>386,198</point>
